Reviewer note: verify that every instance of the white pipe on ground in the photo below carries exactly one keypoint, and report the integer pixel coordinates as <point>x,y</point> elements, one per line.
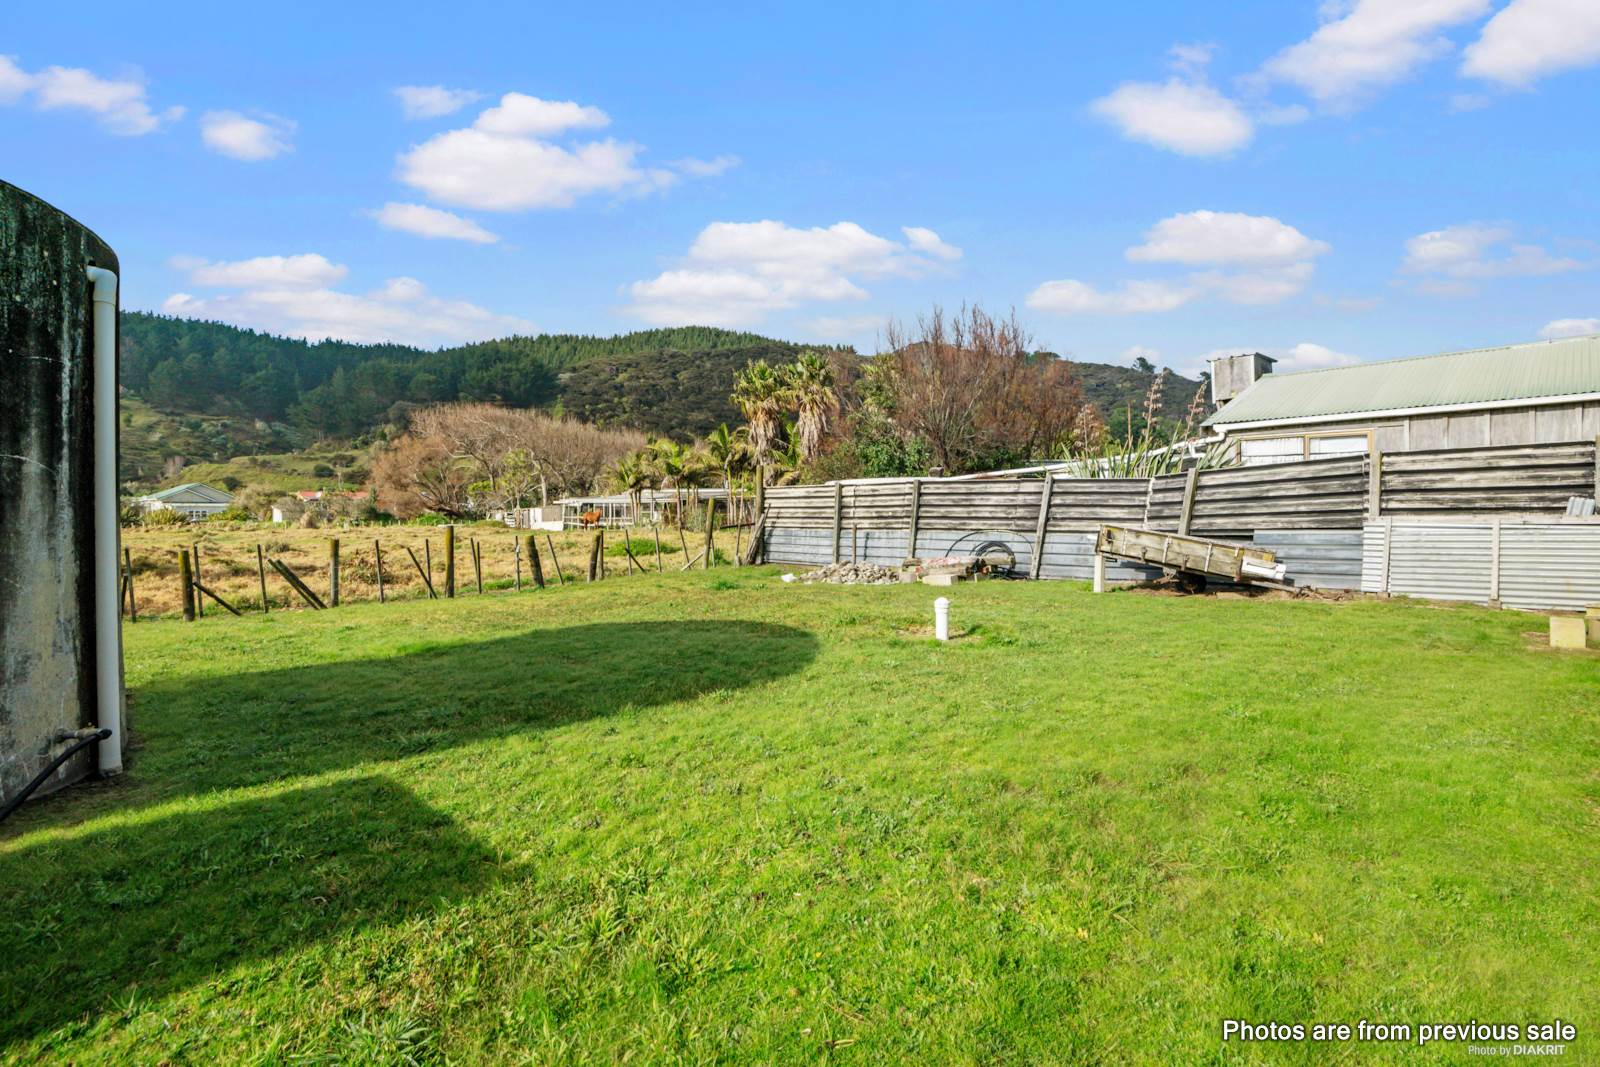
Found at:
<point>107,565</point>
<point>941,619</point>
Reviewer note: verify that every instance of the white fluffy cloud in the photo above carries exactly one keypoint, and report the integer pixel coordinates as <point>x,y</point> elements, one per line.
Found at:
<point>1225,238</point>
<point>520,114</point>
<point>1532,39</point>
<point>292,295</point>
<point>433,101</point>
<point>242,137</point>
<point>1182,114</point>
<point>1475,250</point>
<point>306,271</point>
<point>425,221</point>
<point>1569,328</point>
<point>1369,45</point>
<point>509,160</point>
<point>1069,296</point>
<point>1253,259</point>
<point>120,105</point>
<point>737,273</point>
<point>925,240</point>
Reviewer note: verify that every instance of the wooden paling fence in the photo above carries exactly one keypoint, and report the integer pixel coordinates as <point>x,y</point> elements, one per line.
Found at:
<point>1312,513</point>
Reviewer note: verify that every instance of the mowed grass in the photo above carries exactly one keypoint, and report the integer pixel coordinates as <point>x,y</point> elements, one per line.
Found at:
<point>710,817</point>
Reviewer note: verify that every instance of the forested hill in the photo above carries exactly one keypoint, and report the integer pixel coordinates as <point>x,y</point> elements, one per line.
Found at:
<point>667,381</point>
<point>338,389</point>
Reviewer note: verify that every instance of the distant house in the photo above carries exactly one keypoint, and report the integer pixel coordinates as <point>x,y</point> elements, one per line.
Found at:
<point>1546,392</point>
<point>195,501</point>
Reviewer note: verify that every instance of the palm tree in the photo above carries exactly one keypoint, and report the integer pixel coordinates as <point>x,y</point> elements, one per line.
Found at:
<point>760,395</point>
<point>787,461</point>
<point>671,461</point>
<point>631,474</point>
<point>724,449</point>
<point>809,384</point>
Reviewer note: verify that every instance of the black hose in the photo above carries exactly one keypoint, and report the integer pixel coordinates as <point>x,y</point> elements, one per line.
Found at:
<point>39,779</point>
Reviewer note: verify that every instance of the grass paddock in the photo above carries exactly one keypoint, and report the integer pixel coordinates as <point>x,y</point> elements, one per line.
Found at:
<point>708,817</point>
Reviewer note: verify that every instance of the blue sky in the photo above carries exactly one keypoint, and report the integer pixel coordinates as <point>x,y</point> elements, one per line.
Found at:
<point>1326,183</point>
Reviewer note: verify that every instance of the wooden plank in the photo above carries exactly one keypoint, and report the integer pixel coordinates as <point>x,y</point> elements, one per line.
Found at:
<point>1375,485</point>
<point>261,575</point>
<point>838,517</point>
<point>1187,512</point>
<point>186,584</point>
<point>377,554</point>
<point>1037,559</point>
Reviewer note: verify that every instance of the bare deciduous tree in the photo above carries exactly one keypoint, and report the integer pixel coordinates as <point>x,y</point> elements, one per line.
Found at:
<point>459,458</point>
<point>972,388</point>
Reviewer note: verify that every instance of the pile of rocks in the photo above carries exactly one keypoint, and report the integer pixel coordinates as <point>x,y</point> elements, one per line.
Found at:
<point>853,574</point>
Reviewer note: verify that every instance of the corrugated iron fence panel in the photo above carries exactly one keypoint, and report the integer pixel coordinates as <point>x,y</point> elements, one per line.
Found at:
<point>1542,566</point>
<point>1555,565</point>
<point>1318,559</point>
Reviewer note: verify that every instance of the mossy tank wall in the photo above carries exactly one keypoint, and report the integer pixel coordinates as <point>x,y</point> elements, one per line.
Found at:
<point>47,626</point>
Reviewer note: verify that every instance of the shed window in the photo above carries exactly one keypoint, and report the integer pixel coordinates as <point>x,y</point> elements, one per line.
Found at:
<point>1344,445</point>
<point>1258,450</point>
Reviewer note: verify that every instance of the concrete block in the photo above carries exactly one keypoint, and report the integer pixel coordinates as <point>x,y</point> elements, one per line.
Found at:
<point>1591,618</point>
<point>941,579</point>
<point>1566,631</point>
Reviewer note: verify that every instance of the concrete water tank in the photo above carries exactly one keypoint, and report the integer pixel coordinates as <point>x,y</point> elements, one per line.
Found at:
<point>60,646</point>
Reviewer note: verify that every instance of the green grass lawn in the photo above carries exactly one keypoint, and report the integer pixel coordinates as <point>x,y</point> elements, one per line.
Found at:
<point>708,817</point>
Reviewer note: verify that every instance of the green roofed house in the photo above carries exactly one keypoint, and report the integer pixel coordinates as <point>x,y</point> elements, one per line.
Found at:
<point>193,500</point>
<point>1545,392</point>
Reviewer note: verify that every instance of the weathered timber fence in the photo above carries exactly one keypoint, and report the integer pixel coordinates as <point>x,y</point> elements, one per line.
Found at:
<point>1311,513</point>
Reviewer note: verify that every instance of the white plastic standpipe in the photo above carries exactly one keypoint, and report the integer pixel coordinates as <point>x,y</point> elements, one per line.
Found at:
<point>941,619</point>
<point>107,567</point>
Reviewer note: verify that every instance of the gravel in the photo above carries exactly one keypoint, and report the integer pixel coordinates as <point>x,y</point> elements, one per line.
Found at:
<point>853,574</point>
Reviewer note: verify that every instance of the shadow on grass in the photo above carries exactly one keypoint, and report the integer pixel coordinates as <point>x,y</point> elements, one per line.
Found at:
<point>163,905</point>
<point>243,729</point>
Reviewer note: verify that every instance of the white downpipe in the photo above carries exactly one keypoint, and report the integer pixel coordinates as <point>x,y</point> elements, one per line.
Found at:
<point>107,567</point>
<point>941,619</point>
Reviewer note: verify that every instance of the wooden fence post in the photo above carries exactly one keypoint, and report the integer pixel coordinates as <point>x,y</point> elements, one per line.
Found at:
<point>1037,560</point>
<point>261,576</point>
<point>1190,483</point>
<point>333,572</point>
<point>185,577</point>
<point>427,559</point>
<point>133,608</point>
<point>194,576</point>
<point>594,557</point>
<point>657,531</point>
<point>535,568</point>
<point>450,560</point>
<point>1597,466</point>
<point>911,530</point>
<point>516,561</point>
<point>838,516</point>
<point>477,563</point>
<point>711,532</point>
<point>377,554</point>
<point>1375,486</point>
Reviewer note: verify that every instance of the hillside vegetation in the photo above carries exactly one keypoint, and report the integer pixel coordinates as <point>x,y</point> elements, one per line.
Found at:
<point>205,401</point>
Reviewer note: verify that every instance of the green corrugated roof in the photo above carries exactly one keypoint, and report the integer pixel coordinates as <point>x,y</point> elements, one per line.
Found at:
<point>185,487</point>
<point>1483,375</point>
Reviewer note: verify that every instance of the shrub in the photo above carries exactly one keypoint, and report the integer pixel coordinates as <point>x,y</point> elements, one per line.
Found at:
<point>162,517</point>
